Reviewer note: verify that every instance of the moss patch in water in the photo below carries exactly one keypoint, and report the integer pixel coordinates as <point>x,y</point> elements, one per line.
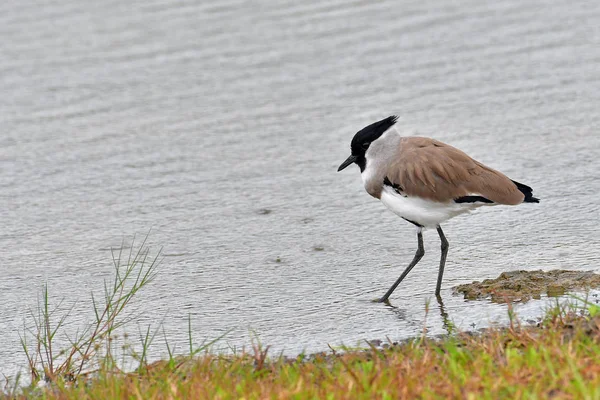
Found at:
<point>522,286</point>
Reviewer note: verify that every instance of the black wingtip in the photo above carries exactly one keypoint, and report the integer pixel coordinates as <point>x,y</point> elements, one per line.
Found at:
<point>527,191</point>
<point>392,119</point>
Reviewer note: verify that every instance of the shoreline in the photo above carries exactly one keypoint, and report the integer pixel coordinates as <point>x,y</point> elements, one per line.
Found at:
<point>557,357</point>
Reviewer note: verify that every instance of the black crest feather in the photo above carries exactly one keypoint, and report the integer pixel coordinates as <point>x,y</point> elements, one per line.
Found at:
<point>363,138</point>
<point>372,132</point>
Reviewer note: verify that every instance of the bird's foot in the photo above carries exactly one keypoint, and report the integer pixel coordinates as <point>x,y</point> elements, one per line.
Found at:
<point>382,300</point>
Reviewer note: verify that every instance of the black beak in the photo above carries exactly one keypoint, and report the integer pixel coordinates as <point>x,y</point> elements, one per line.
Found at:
<point>348,161</point>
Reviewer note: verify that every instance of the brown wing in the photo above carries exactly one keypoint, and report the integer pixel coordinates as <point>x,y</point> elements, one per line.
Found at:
<point>434,170</point>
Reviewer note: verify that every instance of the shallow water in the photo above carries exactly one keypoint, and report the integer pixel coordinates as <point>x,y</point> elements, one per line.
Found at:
<point>221,126</point>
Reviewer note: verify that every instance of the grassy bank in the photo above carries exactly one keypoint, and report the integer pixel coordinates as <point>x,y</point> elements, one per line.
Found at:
<point>559,358</point>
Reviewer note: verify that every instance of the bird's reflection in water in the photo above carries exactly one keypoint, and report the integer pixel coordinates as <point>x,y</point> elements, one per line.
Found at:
<point>448,325</point>
<point>399,312</point>
<point>402,314</point>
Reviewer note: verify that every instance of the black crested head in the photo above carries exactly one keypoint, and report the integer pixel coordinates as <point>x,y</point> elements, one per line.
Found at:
<point>363,138</point>
<point>371,133</point>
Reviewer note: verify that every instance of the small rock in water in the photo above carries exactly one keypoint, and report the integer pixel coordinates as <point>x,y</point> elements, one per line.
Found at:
<point>265,211</point>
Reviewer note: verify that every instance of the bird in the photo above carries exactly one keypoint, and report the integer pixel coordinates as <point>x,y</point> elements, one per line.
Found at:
<point>426,182</point>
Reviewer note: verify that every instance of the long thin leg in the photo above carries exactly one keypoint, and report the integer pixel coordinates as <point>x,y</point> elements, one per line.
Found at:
<point>418,255</point>
<point>445,246</point>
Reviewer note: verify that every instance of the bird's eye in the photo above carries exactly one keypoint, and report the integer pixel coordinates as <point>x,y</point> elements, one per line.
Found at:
<point>366,145</point>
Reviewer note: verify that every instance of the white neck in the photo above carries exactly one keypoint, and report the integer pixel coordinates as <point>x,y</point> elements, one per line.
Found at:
<point>379,154</point>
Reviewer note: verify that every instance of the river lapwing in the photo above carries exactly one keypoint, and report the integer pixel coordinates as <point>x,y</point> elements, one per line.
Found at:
<point>427,182</point>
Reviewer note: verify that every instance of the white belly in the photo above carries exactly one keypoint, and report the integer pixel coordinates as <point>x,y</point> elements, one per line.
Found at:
<point>424,212</point>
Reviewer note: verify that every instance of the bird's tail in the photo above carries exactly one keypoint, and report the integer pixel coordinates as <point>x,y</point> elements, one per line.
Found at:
<point>528,192</point>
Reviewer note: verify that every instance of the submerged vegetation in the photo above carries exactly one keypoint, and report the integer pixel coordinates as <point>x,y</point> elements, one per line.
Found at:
<point>55,356</point>
<point>557,358</point>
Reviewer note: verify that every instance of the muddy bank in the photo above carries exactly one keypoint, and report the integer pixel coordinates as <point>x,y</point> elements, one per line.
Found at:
<point>522,286</point>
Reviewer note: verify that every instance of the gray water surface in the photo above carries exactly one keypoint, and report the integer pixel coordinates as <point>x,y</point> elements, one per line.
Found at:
<point>219,126</point>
